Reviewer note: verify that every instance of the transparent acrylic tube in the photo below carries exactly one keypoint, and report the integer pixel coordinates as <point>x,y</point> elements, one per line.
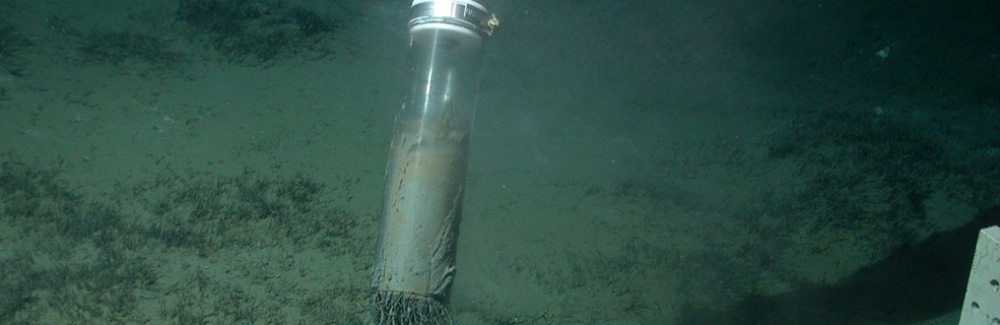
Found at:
<point>425,177</point>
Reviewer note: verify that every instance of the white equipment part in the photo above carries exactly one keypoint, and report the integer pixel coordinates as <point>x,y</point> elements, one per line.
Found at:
<point>982,295</point>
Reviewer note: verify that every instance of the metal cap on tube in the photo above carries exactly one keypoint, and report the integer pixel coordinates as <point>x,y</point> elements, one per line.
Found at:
<point>467,14</point>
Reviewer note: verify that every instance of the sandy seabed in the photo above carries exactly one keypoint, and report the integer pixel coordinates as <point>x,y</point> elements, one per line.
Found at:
<point>221,161</point>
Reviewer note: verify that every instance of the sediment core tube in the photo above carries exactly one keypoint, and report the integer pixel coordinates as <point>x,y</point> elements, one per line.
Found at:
<point>425,177</point>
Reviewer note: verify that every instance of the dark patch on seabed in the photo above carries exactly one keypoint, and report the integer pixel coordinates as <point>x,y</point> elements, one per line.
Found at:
<point>916,282</point>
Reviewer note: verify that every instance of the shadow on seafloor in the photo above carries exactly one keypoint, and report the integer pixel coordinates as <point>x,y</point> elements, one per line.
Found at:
<point>919,281</point>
